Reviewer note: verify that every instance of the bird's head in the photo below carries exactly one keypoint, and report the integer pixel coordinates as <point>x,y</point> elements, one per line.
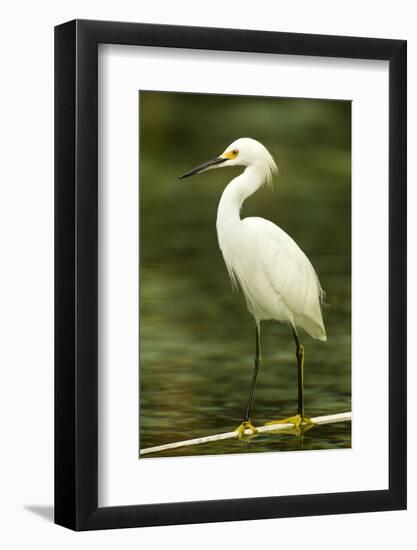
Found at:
<point>242,152</point>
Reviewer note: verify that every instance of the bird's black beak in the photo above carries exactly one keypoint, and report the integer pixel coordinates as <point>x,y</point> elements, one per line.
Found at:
<point>203,167</point>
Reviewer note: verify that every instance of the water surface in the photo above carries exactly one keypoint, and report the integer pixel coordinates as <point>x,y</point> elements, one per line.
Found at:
<point>196,337</point>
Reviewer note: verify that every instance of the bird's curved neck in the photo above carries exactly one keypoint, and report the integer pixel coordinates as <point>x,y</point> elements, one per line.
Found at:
<point>236,192</point>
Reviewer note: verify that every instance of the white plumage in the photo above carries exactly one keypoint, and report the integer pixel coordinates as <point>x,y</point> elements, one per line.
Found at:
<point>276,277</point>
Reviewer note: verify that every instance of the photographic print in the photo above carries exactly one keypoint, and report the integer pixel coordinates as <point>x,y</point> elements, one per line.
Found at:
<point>245,274</point>
<point>203,280</point>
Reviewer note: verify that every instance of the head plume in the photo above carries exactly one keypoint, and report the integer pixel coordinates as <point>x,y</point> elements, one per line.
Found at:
<point>250,152</point>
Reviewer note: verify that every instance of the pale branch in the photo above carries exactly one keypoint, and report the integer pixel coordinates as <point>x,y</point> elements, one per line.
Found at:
<point>272,428</point>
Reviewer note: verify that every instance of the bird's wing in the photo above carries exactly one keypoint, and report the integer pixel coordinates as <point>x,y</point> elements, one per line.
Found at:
<point>290,273</point>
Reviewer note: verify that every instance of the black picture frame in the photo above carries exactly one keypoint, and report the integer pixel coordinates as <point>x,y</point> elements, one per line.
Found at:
<point>76,272</point>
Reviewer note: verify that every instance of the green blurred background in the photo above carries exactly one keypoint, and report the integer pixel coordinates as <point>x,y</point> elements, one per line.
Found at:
<point>196,336</point>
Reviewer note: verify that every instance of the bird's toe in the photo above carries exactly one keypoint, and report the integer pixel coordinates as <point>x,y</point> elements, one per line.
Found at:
<point>246,425</point>
<point>297,423</point>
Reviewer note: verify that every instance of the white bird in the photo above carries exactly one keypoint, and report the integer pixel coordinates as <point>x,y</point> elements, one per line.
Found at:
<point>276,277</point>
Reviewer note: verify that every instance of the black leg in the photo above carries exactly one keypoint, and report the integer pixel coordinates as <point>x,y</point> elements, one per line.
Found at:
<point>246,418</point>
<point>300,370</point>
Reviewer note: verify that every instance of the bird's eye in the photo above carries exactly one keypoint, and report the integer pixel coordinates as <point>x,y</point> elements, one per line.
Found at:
<point>235,152</point>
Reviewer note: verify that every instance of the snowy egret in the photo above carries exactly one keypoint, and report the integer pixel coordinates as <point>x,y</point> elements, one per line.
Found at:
<point>276,277</point>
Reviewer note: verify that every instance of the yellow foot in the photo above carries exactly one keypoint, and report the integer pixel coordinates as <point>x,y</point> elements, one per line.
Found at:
<point>299,424</point>
<point>247,425</point>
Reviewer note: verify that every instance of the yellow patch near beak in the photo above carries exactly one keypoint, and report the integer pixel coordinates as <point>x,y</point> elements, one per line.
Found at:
<point>230,154</point>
